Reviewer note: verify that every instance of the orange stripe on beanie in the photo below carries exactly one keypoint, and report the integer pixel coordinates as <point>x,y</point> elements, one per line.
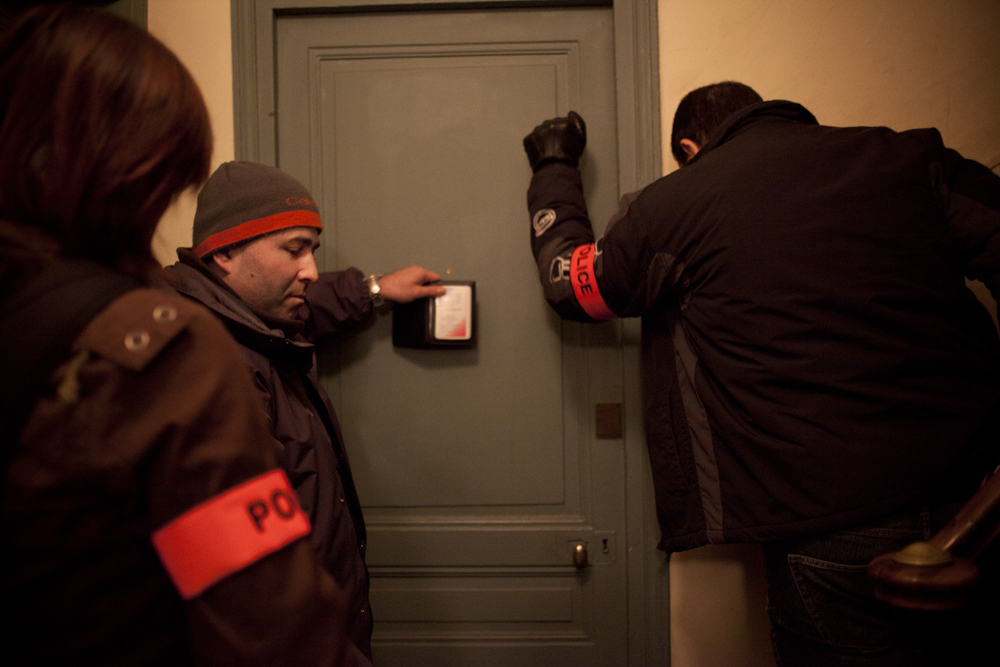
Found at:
<point>243,200</point>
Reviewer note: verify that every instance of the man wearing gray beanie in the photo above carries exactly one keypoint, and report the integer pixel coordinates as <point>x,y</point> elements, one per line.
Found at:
<point>252,264</point>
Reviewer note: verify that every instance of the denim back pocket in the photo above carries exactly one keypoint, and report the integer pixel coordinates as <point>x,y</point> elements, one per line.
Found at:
<point>840,602</point>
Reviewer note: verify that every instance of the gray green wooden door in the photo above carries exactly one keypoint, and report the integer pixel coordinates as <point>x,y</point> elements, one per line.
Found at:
<point>480,470</point>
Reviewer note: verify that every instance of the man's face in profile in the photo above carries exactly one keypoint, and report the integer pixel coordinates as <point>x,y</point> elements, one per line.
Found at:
<point>271,273</point>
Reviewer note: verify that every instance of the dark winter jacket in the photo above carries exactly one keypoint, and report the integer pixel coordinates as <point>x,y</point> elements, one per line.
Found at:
<point>307,434</point>
<point>812,356</point>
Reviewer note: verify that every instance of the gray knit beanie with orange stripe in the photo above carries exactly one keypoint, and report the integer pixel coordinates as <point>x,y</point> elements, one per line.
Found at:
<point>243,200</point>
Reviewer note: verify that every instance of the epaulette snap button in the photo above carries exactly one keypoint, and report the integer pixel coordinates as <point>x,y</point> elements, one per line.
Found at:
<point>137,340</point>
<point>164,314</point>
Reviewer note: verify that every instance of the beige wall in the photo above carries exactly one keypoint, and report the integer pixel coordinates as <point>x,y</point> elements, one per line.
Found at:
<point>901,63</point>
<point>198,31</point>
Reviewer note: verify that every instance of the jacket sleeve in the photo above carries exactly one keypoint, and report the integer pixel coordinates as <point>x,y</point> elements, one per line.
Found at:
<point>339,300</point>
<point>970,196</point>
<point>581,280</point>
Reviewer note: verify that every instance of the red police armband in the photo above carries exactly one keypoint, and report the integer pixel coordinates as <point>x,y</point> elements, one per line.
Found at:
<point>581,274</point>
<point>227,533</point>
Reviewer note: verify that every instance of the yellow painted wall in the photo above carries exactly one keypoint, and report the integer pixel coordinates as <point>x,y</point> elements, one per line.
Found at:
<point>901,63</point>
<point>199,32</point>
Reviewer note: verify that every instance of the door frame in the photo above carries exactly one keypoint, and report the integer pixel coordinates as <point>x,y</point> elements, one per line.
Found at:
<point>639,163</point>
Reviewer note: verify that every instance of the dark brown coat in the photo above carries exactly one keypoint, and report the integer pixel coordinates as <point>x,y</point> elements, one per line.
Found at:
<point>307,435</point>
<point>130,436</point>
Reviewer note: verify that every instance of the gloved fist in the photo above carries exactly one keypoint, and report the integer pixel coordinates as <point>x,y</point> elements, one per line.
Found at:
<point>557,140</point>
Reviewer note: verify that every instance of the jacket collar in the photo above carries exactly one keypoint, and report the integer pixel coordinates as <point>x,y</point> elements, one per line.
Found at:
<point>774,109</point>
<point>194,280</point>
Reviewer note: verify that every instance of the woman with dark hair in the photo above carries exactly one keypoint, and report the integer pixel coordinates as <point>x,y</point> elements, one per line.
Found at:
<point>102,126</point>
<point>142,515</point>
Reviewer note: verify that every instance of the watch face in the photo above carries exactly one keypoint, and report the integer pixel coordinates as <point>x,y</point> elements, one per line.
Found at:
<point>374,289</point>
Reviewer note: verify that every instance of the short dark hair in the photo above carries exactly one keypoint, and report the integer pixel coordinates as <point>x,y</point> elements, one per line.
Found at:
<point>702,111</point>
<point>100,127</point>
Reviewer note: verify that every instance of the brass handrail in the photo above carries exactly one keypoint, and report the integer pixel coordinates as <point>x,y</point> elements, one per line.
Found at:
<point>940,574</point>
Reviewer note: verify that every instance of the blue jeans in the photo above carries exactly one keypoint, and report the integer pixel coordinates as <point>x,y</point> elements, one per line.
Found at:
<point>824,612</point>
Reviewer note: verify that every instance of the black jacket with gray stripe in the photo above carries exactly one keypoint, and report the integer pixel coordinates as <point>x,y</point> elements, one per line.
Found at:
<point>812,357</point>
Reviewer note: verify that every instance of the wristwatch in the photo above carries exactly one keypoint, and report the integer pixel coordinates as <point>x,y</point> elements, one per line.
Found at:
<point>374,291</point>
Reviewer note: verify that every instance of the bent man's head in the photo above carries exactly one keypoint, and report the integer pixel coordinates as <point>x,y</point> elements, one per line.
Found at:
<point>256,228</point>
<point>702,111</point>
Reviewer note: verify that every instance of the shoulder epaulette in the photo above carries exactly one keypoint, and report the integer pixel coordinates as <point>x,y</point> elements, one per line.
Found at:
<point>134,329</point>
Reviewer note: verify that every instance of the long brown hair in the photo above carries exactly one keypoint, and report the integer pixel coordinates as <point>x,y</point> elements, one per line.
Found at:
<point>100,127</point>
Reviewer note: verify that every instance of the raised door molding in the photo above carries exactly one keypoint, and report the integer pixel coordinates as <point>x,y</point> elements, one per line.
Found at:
<point>636,69</point>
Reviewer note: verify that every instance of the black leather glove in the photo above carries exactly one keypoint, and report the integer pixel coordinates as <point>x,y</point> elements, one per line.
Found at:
<point>557,140</point>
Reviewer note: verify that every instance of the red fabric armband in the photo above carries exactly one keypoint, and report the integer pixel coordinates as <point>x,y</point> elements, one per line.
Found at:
<point>229,532</point>
<point>581,275</point>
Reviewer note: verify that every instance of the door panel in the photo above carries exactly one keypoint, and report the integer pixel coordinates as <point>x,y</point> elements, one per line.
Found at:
<point>479,469</point>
